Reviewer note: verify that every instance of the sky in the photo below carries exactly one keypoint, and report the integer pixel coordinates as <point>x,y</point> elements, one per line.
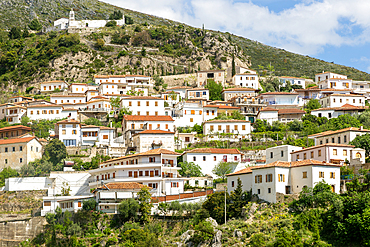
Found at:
<point>332,30</point>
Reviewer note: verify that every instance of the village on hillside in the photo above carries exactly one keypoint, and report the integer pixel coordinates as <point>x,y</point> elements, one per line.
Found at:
<point>160,140</point>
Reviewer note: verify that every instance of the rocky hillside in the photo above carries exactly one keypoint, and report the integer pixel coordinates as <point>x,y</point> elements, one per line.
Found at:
<point>171,48</point>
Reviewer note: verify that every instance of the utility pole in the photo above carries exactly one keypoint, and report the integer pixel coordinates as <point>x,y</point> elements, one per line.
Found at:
<point>225,204</point>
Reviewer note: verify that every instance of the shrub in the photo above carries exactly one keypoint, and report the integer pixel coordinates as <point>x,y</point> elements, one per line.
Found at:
<point>111,24</point>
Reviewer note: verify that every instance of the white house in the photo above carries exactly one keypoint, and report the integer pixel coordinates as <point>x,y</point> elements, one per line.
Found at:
<point>50,86</point>
<point>227,129</point>
<point>188,113</point>
<point>249,80</point>
<point>269,114</point>
<point>97,135</point>
<point>281,177</point>
<point>69,132</point>
<point>280,153</point>
<point>81,88</point>
<point>280,98</point>
<point>293,81</point>
<point>14,114</point>
<point>290,114</point>
<point>19,98</point>
<point>45,111</point>
<point>16,152</point>
<point>144,105</point>
<point>338,100</point>
<point>328,75</point>
<point>156,168</point>
<point>230,93</point>
<point>334,112</point>
<point>305,95</point>
<point>171,97</point>
<point>207,158</point>
<point>184,139</point>
<point>180,89</point>
<point>342,136</point>
<point>151,139</point>
<point>197,93</point>
<point>331,153</point>
<point>68,99</point>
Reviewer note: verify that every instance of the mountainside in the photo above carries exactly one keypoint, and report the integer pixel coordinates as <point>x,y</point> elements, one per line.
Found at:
<point>170,47</point>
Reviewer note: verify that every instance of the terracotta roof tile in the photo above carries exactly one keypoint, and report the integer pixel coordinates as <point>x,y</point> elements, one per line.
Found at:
<point>326,133</point>
<point>324,145</point>
<point>243,171</point>
<point>239,89</point>
<point>291,111</point>
<point>68,121</point>
<point>180,87</point>
<point>214,151</point>
<point>346,107</point>
<point>16,127</point>
<point>147,118</point>
<point>268,109</point>
<point>279,93</point>
<point>227,121</point>
<point>155,132</point>
<point>46,82</point>
<point>17,140</point>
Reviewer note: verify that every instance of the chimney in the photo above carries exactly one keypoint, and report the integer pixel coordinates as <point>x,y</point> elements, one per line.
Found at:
<point>361,127</point>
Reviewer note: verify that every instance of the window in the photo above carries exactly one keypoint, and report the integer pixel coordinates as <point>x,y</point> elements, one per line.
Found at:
<point>156,113</point>
<point>6,161</point>
<point>213,112</point>
<point>204,158</point>
<point>321,174</point>
<point>259,191</point>
<point>20,148</point>
<point>319,153</point>
<point>47,203</point>
<point>147,113</point>
<point>271,155</point>
<point>258,179</point>
<point>191,120</point>
<point>281,177</point>
<point>344,152</point>
<point>304,174</point>
<point>219,127</point>
<point>105,137</point>
<point>312,155</point>
<point>194,158</point>
<point>130,173</point>
<point>305,156</point>
<point>282,153</point>
<point>345,139</point>
<point>20,160</point>
<point>166,126</point>
<point>358,155</point>
<point>338,139</point>
<point>138,103</point>
<point>156,103</point>
<point>158,126</point>
<point>332,175</point>
<point>232,184</point>
<point>268,178</point>
<point>235,127</point>
<point>354,101</point>
<point>13,149</point>
<point>74,132</point>
<point>214,158</point>
<point>211,128</point>
<point>147,173</point>
<point>269,190</point>
<point>335,152</point>
<point>174,184</point>
<point>129,103</point>
<point>243,127</point>
<point>138,113</point>
<point>6,150</point>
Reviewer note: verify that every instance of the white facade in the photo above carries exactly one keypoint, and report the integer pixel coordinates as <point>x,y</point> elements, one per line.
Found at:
<point>285,178</point>
<point>343,136</point>
<point>156,168</point>
<point>188,114</point>
<point>181,90</point>
<point>68,99</point>
<point>280,98</point>
<point>144,105</point>
<point>197,93</point>
<point>151,139</point>
<point>50,86</point>
<point>268,114</point>
<point>280,153</point>
<point>231,93</point>
<point>207,158</point>
<point>46,112</point>
<point>293,81</point>
<point>328,75</point>
<point>246,80</point>
<point>14,114</point>
<point>338,100</point>
<point>241,128</point>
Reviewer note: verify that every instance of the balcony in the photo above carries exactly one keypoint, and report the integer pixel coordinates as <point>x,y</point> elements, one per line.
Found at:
<point>96,110</point>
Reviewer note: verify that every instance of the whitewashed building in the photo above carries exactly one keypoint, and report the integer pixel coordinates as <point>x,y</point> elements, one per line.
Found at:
<point>207,158</point>
<point>280,153</point>
<point>334,112</point>
<point>156,168</point>
<point>342,136</point>
<point>269,114</point>
<point>280,98</point>
<point>197,93</point>
<point>14,114</point>
<point>226,129</point>
<point>249,80</point>
<point>230,93</point>
<point>68,99</point>
<point>338,100</point>
<point>151,139</point>
<point>144,105</point>
<point>50,86</point>
<point>293,81</point>
<point>283,177</point>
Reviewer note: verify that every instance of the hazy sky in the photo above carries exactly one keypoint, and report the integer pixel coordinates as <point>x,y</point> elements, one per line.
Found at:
<point>332,30</point>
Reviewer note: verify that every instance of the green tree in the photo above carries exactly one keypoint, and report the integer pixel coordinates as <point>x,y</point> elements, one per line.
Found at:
<point>15,33</point>
<point>261,126</point>
<point>233,71</point>
<point>223,168</point>
<point>100,44</point>
<point>197,128</point>
<point>237,115</point>
<point>111,24</point>
<point>144,199</point>
<point>56,151</point>
<point>128,209</point>
<point>128,20</point>
<point>163,208</point>
<point>35,25</point>
<point>143,52</point>
<point>190,169</point>
<point>215,205</point>
<point>89,205</point>
<point>93,121</point>
<point>7,172</point>
<point>215,90</point>
<point>312,105</point>
<point>239,198</point>
<point>25,120</point>
<point>363,142</point>
<point>116,15</point>
<point>115,102</point>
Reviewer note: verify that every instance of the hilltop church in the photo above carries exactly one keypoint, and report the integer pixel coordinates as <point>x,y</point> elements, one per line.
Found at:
<point>70,23</point>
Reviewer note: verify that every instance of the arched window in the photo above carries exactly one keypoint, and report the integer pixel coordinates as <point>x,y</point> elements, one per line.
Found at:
<point>358,155</point>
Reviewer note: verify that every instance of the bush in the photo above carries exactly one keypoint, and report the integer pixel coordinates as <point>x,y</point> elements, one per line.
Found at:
<point>111,24</point>
<point>89,205</point>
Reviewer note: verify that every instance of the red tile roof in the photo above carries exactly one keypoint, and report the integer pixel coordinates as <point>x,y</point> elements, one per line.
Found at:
<point>16,127</point>
<point>143,97</point>
<point>243,171</point>
<point>324,145</point>
<point>279,93</point>
<point>268,109</point>
<point>214,151</point>
<point>155,132</point>
<point>239,89</point>
<point>124,185</point>
<point>227,121</point>
<point>180,87</point>
<point>68,121</point>
<point>17,140</point>
<point>326,133</point>
<point>346,107</point>
<point>291,111</point>
<point>147,118</point>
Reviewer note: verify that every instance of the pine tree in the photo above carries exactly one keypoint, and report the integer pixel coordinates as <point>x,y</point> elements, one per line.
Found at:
<point>233,71</point>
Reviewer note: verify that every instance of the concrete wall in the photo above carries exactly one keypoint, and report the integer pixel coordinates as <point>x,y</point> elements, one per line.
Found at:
<point>30,183</point>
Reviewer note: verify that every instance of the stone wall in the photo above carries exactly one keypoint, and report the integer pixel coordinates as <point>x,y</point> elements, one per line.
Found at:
<point>15,230</point>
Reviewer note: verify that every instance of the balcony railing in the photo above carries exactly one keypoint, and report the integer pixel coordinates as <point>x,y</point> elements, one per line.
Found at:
<point>96,110</point>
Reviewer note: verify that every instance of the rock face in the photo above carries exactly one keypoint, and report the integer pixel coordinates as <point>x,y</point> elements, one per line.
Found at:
<point>212,221</point>
<point>216,241</point>
<point>12,232</point>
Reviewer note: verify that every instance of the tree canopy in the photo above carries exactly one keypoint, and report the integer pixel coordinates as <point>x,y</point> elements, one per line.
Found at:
<point>35,25</point>
<point>215,90</point>
<point>55,151</point>
<point>190,169</point>
<point>223,168</point>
